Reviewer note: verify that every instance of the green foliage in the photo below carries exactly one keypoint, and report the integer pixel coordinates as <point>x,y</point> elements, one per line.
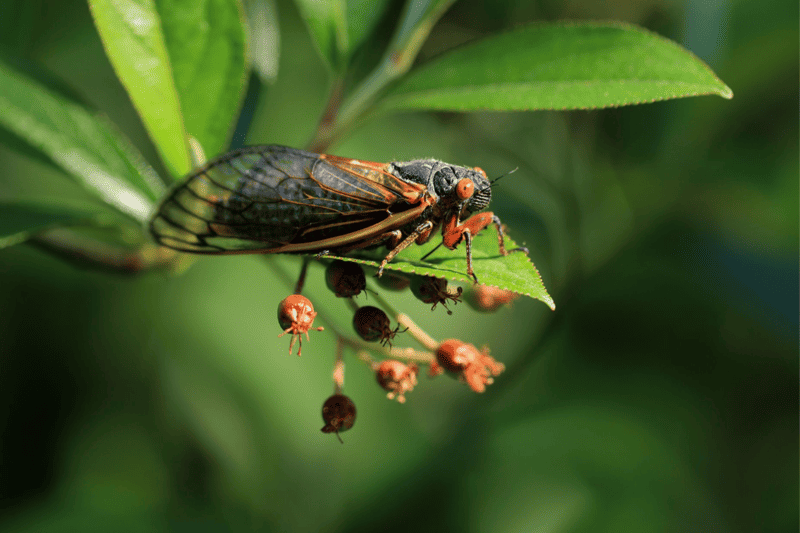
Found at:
<point>84,145</point>
<point>205,41</point>
<point>134,41</point>
<point>557,66</point>
<point>262,18</point>
<point>184,67</point>
<point>19,220</point>
<point>661,396</point>
<point>514,271</point>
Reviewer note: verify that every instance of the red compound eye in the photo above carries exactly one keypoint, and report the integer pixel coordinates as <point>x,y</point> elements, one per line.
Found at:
<point>465,188</point>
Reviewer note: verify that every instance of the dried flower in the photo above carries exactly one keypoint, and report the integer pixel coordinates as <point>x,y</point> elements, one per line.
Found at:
<point>474,367</point>
<point>397,378</point>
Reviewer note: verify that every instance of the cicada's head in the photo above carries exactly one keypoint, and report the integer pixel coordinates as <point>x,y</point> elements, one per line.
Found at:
<point>453,185</point>
<point>470,188</point>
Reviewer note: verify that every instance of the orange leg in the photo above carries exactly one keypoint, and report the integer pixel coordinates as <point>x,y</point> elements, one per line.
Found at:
<point>454,233</point>
<point>423,229</point>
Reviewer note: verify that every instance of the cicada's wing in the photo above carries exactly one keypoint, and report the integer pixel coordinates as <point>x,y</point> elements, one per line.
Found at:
<point>273,199</point>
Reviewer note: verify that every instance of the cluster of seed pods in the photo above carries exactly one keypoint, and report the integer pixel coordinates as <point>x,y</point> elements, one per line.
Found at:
<point>397,373</point>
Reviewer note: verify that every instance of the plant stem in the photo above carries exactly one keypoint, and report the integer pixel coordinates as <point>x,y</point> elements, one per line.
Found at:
<point>418,19</point>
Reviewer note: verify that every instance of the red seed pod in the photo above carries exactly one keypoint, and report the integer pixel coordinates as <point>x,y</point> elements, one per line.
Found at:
<point>393,281</point>
<point>435,291</point>
<point>489,298</point>
<point>472,366</point>
<point>397,378</point>
<point>345,279</point>
<point>296,316</point>
<point>372,325</point>
<point>339,414</point>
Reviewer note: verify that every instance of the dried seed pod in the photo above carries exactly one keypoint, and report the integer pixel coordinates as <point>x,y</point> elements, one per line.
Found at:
<point>372,325</point>
<point>397,378</point>
<point>472,366</point>
<point>435,291</point>
<point>296,316</point>
<point>339,414</point>
<point>345,278</point>
<point>489,298</point>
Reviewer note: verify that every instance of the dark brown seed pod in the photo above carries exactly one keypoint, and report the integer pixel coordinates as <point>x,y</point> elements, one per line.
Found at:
<point>339,414</point>
<point>489,298</point>
<point>345,279</point>
<point>372,325</point>
<point>435,291</point>
<point>474,367</point>
<point>296,316</point>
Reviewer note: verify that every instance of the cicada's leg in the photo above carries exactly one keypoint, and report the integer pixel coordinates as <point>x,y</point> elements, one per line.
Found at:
<point>500,238</point>
<point>422,229</point>
<point>454,233</point>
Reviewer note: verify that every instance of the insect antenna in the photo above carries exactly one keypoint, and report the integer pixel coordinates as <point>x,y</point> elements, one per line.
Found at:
<point>429,253</point>
<point>503,176</point>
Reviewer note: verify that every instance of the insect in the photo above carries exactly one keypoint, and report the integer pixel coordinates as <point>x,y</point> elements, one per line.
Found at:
<point>274,199</point>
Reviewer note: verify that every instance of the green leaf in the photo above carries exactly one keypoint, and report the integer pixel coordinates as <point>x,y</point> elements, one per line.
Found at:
<point>327,23</point>
<point>362,16</point>
<point>133,40</point>
<point>339,27</point>
<point>262,16</point>
<point>557,66</point>
<point>513,272</point>
<point>85,146</point>
<point>21,220</point>
<point>207,46</point>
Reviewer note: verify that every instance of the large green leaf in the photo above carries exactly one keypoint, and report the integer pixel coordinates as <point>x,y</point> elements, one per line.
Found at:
<point>84,145</point>
<point>21,220</point>
<point>134,42</point>
<point>557,66</point>
<point>515,272</point>
<point>327,23</point>
<point>207,47</point>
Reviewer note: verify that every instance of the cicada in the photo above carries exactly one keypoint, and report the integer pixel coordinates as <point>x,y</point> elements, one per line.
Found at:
<point>274,199</point>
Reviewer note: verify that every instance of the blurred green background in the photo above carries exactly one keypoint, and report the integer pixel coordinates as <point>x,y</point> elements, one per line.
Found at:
<point>661,395</point>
